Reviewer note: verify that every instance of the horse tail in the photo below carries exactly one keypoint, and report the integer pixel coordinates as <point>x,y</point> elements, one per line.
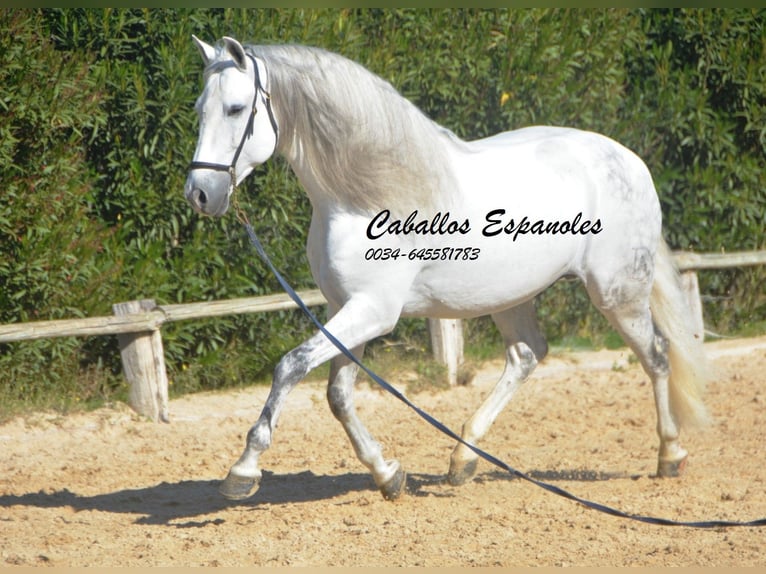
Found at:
<point>690,369</point>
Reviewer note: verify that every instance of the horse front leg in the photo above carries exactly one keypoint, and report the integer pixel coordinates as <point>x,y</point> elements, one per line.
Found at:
<point>245,475</point>
<point>389,476</point>
<point>354,324</point>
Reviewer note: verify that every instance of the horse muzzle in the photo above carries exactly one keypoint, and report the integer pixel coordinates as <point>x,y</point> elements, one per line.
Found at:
<point>212,200</point>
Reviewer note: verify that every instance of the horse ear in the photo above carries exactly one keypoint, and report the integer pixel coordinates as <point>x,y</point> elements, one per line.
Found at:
<point>206,50</point>
<point>237,52</point>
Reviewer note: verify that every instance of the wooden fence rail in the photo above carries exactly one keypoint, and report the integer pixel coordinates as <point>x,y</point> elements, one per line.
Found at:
<point>689,263</point>
<point>137,325</point>
<point>686,261</point>
<point>152,317</point>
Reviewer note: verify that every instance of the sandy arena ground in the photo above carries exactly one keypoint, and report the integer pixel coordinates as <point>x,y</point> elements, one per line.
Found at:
<point>106,488</point>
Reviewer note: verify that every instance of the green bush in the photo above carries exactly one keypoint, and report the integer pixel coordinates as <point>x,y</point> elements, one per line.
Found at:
<point>698,85</point>
<point>98,129</point>
<point>53,257</point>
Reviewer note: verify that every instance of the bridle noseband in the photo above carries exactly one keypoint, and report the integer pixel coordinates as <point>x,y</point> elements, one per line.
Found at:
<point>231,168</point>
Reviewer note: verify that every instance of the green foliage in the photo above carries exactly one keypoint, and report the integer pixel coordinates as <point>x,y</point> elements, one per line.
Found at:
<point>98,128</point>
<point>151,76</point>
<point>698,83</point>
<point>52,250</point>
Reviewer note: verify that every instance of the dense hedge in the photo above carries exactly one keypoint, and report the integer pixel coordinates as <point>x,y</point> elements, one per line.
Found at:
<point>98,128</point>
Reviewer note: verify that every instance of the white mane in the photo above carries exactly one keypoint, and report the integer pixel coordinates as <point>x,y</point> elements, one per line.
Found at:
<point>367,146</point>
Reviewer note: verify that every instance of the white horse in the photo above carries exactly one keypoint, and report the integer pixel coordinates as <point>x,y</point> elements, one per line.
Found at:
<point>409,220</point>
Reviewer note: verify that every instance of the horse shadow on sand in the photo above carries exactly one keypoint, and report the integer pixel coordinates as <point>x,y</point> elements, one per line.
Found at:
<point>190,503</point>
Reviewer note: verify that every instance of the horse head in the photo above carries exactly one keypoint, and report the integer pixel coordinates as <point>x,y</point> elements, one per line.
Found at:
<point>237,127</point>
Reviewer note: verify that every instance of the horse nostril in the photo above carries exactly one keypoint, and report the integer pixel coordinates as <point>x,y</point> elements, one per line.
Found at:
<point>201,197</point>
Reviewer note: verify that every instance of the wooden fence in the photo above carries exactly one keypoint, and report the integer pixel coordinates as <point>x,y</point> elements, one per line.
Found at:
<point>689,263</point>
<point>137,325</point>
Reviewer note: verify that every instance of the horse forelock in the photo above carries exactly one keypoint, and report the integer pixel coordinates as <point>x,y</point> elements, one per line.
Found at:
<point>217,66</point>
<point>366,145</point>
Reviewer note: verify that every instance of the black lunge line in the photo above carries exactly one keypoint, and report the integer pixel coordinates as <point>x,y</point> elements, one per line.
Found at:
<point>447,431</point>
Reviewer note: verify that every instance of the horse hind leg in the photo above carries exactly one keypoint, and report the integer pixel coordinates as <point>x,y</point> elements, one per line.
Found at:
<point>671,458</point>
<point>525,347</point>
<point>632,318</point>
<point>389,476</point>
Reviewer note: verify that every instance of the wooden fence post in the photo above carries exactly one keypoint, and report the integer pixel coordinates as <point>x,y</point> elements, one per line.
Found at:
<point>143,362</point>
<point>691,288</point>
<point>447,344</point>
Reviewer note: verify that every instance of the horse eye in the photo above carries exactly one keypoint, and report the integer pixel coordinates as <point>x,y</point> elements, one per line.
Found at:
<point>235,111</point>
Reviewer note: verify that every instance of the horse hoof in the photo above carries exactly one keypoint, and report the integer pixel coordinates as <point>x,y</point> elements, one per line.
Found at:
<point>459,474</point>
<point>671,468</point>
<point>395,487</point>
<point>235,487</point>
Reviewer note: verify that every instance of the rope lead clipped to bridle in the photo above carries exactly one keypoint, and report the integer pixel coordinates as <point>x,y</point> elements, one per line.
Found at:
<point>242,217</point>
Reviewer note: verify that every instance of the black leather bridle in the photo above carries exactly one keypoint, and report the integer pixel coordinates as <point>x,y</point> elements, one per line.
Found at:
<point>231,168</point>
